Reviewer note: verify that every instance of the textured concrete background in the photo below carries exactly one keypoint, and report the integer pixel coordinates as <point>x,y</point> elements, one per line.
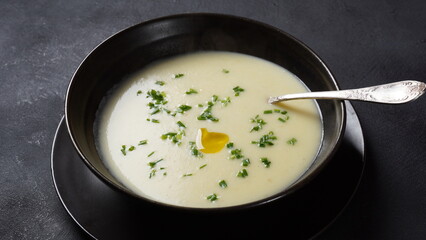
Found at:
<point>363,42</point>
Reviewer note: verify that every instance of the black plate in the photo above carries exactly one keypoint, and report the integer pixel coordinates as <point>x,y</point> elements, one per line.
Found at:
<point>105,213</point>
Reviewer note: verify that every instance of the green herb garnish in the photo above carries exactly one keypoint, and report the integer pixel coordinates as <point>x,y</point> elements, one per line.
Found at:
<point>183,108</point>
<point>158,100</point>
<point>207,115</point>
<point>191,91</point>
<point>139,92</point>
<point>259,123</point>
<point>225,101</point>
<point>152,173</point>
<point>242,173</point>
<point>155,121</point>
<point>236,154</point>
<point>215,98</point>
<point>230,145</point>
<point>157,96</point>
<point>187,175</point>
<point>179,75</point>
<point>202,166</point>
<point>266,140</point>
<point>225,70</point>
<point>281,120</point>
<point>212,197</point>
<point>180,124</point>
<point>175,137</point>
<point>223,184</point>
<point>265,162</point>
<point>284,119</point>
<point>131,148</point>
<point>123,149</point>
<point>267,112</point>
<point>143,142</point>
<point>245,162</point>
<point>194,150</point>
<point>292,141</point>
<point>152,153</point>
<point>161,83</point>
<point>237,90</point>
<point>156,110</point>
<point>152,164</point>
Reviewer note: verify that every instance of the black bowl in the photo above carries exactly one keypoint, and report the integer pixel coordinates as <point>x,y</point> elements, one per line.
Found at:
<point>137,46</point>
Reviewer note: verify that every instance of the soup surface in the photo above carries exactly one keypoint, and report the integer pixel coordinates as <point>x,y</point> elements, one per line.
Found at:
<point>196,130</point>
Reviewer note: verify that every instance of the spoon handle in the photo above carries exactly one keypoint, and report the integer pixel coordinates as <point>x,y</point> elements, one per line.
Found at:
<point>392,93</point>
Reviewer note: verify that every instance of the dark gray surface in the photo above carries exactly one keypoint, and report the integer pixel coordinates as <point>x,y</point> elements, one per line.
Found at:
<point>363,42</point>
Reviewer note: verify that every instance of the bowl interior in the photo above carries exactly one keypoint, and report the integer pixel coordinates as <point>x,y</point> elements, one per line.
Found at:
<point>137,46</point>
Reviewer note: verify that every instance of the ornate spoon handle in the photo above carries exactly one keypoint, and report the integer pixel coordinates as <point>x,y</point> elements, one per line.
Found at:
<point>392,93</point>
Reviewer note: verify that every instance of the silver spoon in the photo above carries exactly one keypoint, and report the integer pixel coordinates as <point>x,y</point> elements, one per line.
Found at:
<point>392,93</point>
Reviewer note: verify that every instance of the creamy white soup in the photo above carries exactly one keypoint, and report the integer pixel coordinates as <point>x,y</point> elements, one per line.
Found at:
<point>196,130</point>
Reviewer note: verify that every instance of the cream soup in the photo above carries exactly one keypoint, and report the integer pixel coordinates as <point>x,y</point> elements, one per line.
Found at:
<point>196,130</point>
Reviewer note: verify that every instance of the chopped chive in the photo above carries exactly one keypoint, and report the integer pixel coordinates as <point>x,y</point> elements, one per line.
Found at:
<point>183,108</point>
<point>267,112</point>
<point>284,112</point>
<point>161,83</point>
<point>202,166</point>
<point>123,149</point>
<point>152,164</point>
<point>175,137</point>
<point>207,115</point>
<point>223,184</point>
<point>179,75</point>
<point>180,124</point>
<point>242,173</point>
<point>281,120</point>
<point>225,101</point>
<point>265,162</point>
<point>200,105</point>
<point>285,118</point>
<point>215,98</point>
<point>245,162</point>
<point>277,110</point>
<point>157,97</point>
<point>230,145</point>
<point>191,91</point>
<point>131,148</point>
<point>138,93</point>
<point>237,90</point>
<point>259,123</point>
<point>194,151</point>
<point>236,154</point>
<point>225,70</point>
<point>156,110</point>
<point>143,142</point>
<point>155,121</point>
<point>152,173</point>
<point>266,140</point>
<point>213,197</point>
<point>187,175</point>
<point>152,153</point>
<point>292,141</point>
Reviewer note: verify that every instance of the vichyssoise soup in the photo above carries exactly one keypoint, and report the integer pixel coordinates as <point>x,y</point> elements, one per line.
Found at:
<point>196,130</point>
